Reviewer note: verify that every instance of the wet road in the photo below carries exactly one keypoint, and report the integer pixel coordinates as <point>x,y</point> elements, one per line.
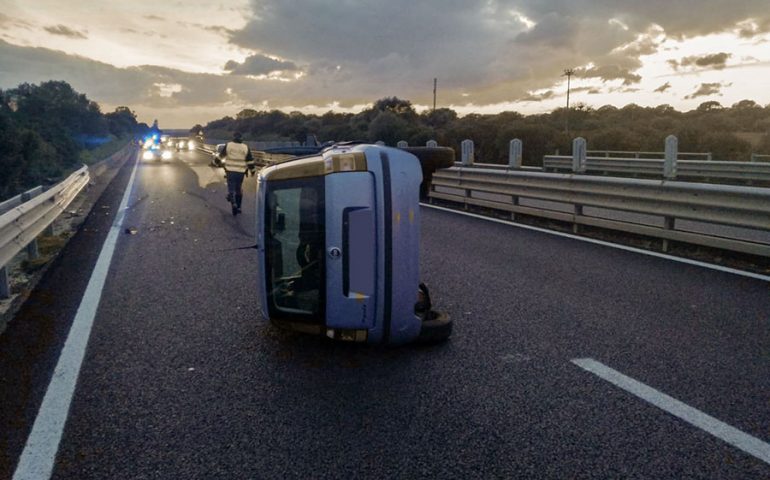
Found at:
<point>183,379</point>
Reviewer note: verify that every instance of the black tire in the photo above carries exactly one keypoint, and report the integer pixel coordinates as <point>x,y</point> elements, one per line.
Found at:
<point>437,329</point>
<point>433,158</point>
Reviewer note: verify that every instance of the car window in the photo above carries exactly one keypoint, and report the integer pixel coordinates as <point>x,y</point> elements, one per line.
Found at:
<point>294,248</point>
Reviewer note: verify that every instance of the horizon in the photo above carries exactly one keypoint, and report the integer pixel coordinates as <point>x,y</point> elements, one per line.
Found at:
<point>187,63</point>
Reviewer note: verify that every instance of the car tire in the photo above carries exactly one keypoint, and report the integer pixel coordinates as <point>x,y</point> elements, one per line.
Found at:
<point>436,329</point>
<point>431,159</point>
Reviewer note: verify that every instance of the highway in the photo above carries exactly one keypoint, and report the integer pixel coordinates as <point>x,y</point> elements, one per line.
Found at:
<point>183,379</point>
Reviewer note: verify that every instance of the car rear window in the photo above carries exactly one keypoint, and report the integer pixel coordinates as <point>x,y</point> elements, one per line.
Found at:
<point>294,249</point>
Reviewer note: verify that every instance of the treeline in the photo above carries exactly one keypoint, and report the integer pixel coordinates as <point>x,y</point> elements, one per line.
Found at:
<point>47,130</point>
<point>729,133</point>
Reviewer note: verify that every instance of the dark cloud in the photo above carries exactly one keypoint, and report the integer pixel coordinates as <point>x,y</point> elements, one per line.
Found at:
<point>752,28</point>
<point>678,19</point>
<point>537,97</point>
<point>259,65</point>
<point>715,60</point>
<point>65,31</point>
<point>663,87</point>
<point>707,89</point>
<point>6,22</point>
<point>552,30</point>
<point>609,72</point>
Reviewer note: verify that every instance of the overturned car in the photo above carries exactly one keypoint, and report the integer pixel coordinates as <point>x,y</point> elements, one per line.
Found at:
<point>338,237</point>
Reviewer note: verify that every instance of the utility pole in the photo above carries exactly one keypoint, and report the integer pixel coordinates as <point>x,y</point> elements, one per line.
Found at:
<point>568,73</point>
<point>435,81</point>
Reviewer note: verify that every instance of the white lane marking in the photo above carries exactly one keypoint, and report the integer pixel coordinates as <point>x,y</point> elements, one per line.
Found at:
<point>37,459</point>
<point>711,266</point>
<point>733,436</point>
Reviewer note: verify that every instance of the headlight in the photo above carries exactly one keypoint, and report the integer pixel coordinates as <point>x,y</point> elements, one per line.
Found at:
<point>166,155</point>
<point>148,155</point>
<point>181,144</point>
<point>191,145</point>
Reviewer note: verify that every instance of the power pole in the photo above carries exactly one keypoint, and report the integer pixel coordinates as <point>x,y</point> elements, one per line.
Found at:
<point>435,81</point>
<point>568,72</point>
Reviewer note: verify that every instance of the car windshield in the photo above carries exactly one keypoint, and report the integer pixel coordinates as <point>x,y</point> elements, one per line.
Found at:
<point>294,248</point>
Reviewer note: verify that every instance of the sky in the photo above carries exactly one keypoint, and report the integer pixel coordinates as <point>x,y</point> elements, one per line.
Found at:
<point>193,61</point>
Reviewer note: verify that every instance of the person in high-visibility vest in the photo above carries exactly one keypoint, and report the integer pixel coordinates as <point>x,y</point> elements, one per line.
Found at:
<point>238,163</point>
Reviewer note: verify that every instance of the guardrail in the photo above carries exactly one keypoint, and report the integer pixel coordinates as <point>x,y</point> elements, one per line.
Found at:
<point>20,224</point>
<point>729,217</point>
<point>634,154</point>
<point>686,169</point>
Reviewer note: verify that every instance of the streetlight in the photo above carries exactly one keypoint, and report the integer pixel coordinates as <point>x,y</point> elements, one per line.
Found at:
<point>568,73</point>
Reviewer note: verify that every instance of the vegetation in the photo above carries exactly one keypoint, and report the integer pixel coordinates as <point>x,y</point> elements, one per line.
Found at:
<point>729,133</point>
<point>47,130</point>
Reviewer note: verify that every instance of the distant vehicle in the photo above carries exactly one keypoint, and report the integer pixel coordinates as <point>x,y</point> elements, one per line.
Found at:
<point>157,153</point>
<point>181,144</point>
<point>338,237</point>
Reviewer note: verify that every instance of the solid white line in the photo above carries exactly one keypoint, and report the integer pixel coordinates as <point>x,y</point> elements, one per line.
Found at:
<point>37,459</point>
<point>733,436</point>
<point>711,266</point>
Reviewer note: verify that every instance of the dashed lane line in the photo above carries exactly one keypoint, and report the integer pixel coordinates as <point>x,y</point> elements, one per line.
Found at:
<point>743,441</point>
<point>37,459</point>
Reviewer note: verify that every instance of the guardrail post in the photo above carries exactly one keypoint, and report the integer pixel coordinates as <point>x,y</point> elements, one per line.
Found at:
<point>672,151</point>
<point>668,224</point>
<point>579,155</point>
<point>402,144</point>
<point>753,157</point>
<point>514,153</point>
<point>5,285</point>
<point>32,251</point>
<point>432,144</point>
<point>467,153</point>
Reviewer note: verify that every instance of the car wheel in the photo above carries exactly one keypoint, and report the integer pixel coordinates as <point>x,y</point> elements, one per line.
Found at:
<point>431,159</point>
<point>436,328</point>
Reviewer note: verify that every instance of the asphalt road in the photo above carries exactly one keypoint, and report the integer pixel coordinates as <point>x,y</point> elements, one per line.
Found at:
<point>183,379</point>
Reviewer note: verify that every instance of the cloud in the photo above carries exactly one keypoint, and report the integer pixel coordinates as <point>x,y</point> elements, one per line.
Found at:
<point>65,31</point>
<point>707,89</point>
<point>663,87</point>
<point>609,72</point>
<point>751,28</point>
<point>7,22</point>
<point>259,65</point>
<point>537,97</point>
<point>351,53</point>
<point>716,61</point>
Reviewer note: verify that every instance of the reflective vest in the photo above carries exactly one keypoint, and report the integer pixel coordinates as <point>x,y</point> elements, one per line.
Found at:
<point>238,157</point>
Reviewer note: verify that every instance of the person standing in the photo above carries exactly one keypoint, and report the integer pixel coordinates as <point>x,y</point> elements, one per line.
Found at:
<point>238,163</point>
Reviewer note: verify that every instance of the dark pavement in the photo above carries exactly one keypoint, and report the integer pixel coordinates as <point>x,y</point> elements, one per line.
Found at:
<point>183,379</point>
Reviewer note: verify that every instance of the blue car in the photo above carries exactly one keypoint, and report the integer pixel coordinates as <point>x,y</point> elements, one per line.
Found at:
<point>338,237</point>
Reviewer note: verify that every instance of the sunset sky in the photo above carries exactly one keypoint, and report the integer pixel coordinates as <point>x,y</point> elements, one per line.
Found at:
<point>187,62</point>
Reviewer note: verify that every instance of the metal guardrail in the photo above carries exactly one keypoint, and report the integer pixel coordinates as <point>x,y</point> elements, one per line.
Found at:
<point>686,169</point>
<point>626,153</point>
<point>563,197</point>
<point>21,224</point>
<point>14,202</point>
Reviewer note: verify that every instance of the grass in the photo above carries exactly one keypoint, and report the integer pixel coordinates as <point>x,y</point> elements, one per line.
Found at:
<point>89,157</point>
